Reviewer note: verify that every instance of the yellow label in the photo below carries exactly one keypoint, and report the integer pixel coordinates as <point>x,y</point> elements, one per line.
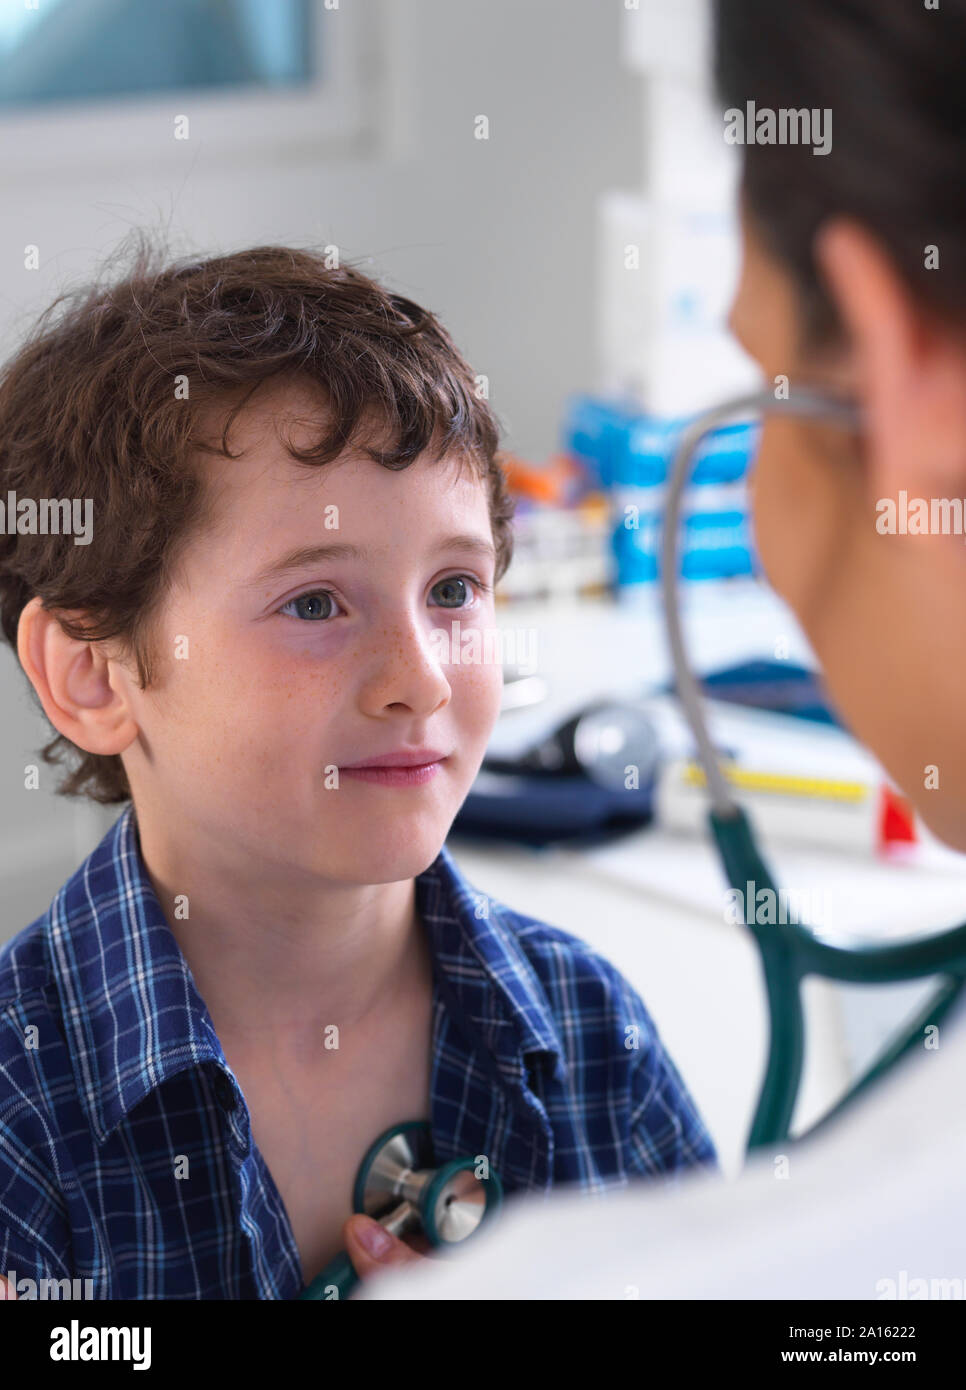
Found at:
<point>779,783</point>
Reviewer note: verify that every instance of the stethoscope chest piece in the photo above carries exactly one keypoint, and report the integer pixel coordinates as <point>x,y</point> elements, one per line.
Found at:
<point>399,1186</point>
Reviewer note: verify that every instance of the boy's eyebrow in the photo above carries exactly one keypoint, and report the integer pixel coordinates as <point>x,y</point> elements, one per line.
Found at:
<point>341,550</point>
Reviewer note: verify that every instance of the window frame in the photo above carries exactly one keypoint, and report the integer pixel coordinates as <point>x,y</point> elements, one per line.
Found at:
<point>128,133</point>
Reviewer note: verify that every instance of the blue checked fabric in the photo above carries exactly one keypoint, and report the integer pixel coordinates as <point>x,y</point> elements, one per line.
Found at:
<point>110,1070</point>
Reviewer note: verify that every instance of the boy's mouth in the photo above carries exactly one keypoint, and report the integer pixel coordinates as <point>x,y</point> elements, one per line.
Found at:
<point>401,757</point>
<point>406,767</point>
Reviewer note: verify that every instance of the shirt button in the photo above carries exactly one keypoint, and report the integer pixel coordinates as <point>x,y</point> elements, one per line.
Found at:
<point>224,1094</point>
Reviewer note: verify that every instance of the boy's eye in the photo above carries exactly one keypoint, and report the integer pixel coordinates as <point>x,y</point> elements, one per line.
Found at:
<point>456,582</point>
<point>317,604</point>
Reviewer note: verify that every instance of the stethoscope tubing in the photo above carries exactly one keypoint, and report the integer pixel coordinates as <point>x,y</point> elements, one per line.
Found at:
<point>789,951</point>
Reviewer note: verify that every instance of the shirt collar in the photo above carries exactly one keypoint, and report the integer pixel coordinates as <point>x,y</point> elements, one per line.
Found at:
<point>124,980</point>
<point>476,950</point>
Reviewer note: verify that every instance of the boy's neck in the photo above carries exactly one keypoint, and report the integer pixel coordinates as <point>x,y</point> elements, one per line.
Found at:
<point>276,968</point>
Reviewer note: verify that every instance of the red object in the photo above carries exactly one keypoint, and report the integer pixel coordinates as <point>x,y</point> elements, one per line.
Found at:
<point>897,819</point>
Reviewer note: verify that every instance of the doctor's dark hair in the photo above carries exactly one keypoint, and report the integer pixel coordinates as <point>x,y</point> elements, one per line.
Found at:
<point>891,73</point>
<point>103,401</point>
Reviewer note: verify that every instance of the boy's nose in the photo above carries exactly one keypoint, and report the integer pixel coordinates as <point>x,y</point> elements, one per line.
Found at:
<point>409,667</point>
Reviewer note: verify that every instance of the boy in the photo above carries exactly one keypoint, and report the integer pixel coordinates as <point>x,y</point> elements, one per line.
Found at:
<point>271,957</point>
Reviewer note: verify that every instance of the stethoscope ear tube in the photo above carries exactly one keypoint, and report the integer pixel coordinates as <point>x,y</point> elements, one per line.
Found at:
<point>802,402</point>
<point>790,951</point>
<point>729,824</point>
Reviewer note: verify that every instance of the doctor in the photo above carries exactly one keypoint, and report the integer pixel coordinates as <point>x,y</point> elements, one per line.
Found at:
<point>853,281</point>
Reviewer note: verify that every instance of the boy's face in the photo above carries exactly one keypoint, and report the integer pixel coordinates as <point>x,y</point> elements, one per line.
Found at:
<point>280,682</point>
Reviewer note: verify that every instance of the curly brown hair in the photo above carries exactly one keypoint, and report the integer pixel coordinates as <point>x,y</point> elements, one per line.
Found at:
<point>102,402</point>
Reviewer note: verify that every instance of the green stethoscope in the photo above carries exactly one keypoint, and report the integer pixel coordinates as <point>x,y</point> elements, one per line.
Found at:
<point>399,1185</point>
<point>789,952</point>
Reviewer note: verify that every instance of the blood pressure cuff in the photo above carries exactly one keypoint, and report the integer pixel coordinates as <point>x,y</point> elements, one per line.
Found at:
<point>549,810</point>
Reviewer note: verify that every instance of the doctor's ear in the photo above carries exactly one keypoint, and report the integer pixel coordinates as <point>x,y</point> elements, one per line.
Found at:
<point>907,368</point>
<point>83,690</point>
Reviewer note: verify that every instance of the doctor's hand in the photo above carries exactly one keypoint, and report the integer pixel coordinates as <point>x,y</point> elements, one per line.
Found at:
<point>396,1252</point>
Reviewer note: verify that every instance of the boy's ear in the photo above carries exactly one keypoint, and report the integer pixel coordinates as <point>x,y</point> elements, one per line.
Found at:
<point>909,367</point>
<point>73,680</point>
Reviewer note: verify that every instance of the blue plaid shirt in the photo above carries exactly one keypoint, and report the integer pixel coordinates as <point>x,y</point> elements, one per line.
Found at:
<point>544,1058</point>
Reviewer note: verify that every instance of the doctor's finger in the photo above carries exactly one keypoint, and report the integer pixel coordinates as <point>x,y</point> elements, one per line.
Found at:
<point>366,1260</point>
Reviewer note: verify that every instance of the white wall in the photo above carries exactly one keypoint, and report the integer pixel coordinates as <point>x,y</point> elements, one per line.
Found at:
<point>498,237</point>
<point>663,326</point>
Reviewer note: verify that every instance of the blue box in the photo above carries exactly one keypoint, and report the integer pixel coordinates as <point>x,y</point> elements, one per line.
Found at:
<point>631,455</point>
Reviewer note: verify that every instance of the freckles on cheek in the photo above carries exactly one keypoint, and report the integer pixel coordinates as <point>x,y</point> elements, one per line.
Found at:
<point>264,710</point>
<point>296,697</point>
